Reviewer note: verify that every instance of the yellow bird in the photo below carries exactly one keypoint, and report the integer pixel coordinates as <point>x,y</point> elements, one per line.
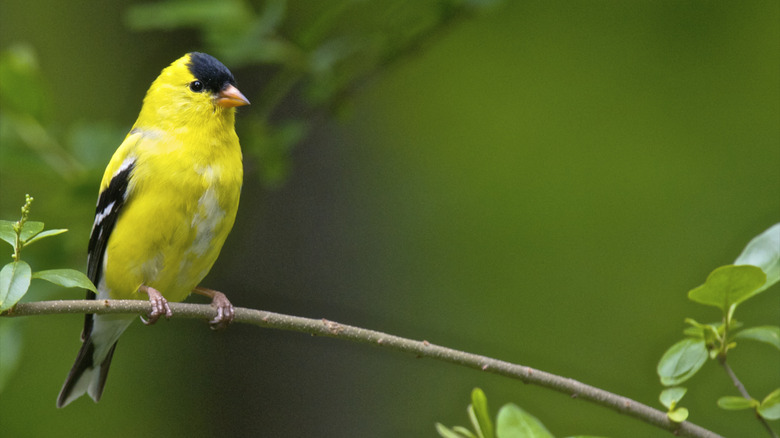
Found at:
<point>167,202</point>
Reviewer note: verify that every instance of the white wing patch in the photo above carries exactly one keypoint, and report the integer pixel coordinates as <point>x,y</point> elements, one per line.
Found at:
<point>129,161</point>
<point>99,216</point>
<point>110,201</point>
<point>108,209</point>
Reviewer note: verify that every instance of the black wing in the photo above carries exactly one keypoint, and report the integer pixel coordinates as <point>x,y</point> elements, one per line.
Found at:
<point>109,206</point>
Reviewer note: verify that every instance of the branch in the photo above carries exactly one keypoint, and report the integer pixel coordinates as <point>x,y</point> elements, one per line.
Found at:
<point>734,379</point>
<point>323,327</point>
<point>743,392</point>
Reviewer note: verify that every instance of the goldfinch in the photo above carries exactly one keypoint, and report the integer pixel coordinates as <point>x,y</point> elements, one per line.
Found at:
<point>167,202</point>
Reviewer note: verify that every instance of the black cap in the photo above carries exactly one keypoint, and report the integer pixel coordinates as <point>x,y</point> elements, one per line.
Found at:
<point>212,73</point>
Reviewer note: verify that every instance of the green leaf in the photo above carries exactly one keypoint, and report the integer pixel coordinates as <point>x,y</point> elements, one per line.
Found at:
<point>678,415</point>
<point>462,431</point>
<point>670,396</point>
<point>728,285</point>
<point>734,403</point>
<point>770,406</point>
<point>479,403</point>
<point>7,232</point>
<point>681,361</point>
<point>455,432</point>
<point>446,432</point>
<point>710,333</point>
<point>45,234</point>
<point>14,282</point>
<point>694,332</point>
<point>66,278</point>
<point>513,422</point>
<point>764,251</point>
<point>30,229</point>
<point>474,422</point>
<point>769,334</point>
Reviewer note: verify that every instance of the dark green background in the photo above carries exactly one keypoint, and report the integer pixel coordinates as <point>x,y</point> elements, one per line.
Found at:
<point>542,184</point>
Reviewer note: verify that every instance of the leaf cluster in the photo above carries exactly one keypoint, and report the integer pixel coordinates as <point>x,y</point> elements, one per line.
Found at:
<point>511,422</point>
<point>727,287</point>
<point>15,276</point>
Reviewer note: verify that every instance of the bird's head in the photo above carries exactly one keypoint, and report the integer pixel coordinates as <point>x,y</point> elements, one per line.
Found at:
<point>196,85</point>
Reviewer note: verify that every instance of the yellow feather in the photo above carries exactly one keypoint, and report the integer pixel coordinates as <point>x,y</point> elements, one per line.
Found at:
<point>172,187</point>
<point>185,186</point>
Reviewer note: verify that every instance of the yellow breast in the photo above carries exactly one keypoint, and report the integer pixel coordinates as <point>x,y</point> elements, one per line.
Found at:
<point>182,204</point>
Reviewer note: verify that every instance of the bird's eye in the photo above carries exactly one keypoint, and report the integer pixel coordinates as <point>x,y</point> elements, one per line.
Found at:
<point>196,86</point>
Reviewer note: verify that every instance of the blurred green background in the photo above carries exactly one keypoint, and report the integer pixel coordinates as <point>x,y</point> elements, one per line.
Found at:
<point>538,181</point>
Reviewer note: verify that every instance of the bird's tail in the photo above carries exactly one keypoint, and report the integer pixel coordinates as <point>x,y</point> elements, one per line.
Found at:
<point>89,372</point>
<point>85,376</point>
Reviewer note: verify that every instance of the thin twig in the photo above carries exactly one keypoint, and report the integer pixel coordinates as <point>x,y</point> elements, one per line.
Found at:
<point>743,392</point>
<point>734,379</point>
<point>323,327</point>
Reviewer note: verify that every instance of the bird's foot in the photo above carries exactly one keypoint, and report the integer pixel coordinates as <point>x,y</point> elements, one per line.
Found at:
<point>219,301</point>
<point>159,305</point>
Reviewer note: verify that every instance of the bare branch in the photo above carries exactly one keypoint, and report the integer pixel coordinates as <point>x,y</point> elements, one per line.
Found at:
<point>322,327</point>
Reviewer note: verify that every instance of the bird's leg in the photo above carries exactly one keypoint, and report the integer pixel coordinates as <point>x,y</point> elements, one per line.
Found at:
<point>219,301</point>
<point>159,305</point>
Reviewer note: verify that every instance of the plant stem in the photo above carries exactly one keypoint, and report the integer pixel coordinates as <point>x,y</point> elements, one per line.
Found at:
<point>743,392</point>
<point>19,226</point>
<point>323,327</point>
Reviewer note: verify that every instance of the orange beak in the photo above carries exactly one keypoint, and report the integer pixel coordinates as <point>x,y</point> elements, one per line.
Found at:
<point>230,97</point>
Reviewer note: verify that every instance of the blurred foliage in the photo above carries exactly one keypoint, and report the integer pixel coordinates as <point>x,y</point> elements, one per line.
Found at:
<point>24,119</point>
<point>11,344</point>
<point>318,61</point>
<point>312,66</point>
<point>536,184</point>
<point>309,66</point>
<point>39,155</point>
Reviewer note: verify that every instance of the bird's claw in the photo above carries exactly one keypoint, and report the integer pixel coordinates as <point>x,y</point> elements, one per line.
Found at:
<point>159,305</point>
<point>225,312</point>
